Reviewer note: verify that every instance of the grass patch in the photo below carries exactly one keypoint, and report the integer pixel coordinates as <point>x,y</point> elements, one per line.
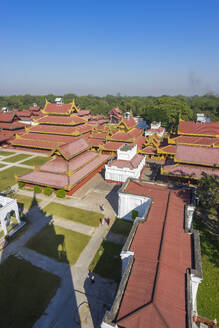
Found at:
<point>25,292</point>
<point>26,201</point>
<point>208,296</point>
<point>74,214</point>
<point>6,153</point>
<point>107,262</point>
<point>16,158</point>
<point>39,160</point>
<point>121,227</point>
<point>61,244</point>
<point>2,165</point>
<point>7,178</point>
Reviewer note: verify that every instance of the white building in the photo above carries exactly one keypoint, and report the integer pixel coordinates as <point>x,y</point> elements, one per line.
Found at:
<point>128,164</point>
<point>156,128</point>
<point>202,118</point>
<point>8,205</point>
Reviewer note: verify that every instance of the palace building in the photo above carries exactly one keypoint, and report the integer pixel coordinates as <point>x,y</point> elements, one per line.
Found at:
<point>161,260</point>
<point>129,164</point>
<point>71,165</point>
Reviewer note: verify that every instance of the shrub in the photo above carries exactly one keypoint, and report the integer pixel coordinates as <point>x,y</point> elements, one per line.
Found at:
<point>20,184</point>
<point>47,191</point>
<point>134,214</point>
<point>60,193</point>
<point>37,189</point>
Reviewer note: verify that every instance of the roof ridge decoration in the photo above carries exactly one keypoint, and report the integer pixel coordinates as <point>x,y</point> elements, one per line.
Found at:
<point>44,108</point>
<point>74,107</point>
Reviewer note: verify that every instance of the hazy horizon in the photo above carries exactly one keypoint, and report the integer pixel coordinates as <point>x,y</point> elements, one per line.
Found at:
<point>139,48</point>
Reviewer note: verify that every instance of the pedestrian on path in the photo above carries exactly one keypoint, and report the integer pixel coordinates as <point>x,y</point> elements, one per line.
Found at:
<point>92,278</point>
<point>103,220</point>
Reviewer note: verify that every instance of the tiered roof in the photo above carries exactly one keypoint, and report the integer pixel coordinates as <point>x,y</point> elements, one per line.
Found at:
<point>155,294</point>
<point>188,171</point>
<point>208,129</point>
<point>132,164</point>
<point>197,155</point>
<point>198,141</point>
<point>73,163</point>
<point>61,120</point>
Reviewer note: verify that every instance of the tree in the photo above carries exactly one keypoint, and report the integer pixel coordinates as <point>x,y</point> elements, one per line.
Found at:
<point>208,191</point>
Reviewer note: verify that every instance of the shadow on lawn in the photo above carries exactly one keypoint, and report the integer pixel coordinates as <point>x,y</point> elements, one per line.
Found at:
<point>26,284</point>
<point>112,198</point>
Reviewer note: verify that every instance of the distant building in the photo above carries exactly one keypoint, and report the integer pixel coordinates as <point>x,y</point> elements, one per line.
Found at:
<point>202,118</point>
<point>156,128</point>
<point>128,164</point>
<point>115,115</point>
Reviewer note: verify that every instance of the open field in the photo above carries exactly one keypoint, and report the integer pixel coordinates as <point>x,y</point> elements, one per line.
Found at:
<point>61,244</point>
<point>39,160</point>
<point>74,214</point>
<point>208,296</point>
<point>16,158</point>
<point>26,202</point>
<point>5,153</point>
<point>7,178</point>
<point>25,292</point>
<point>2,165</point>
<point>107,262</point>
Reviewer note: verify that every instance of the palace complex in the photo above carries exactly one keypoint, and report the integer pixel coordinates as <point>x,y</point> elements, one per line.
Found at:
<point>161,261</point>
<point>71,165</point>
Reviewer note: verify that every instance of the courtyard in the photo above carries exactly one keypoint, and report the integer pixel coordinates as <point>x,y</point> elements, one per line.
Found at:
<point>64,239</point>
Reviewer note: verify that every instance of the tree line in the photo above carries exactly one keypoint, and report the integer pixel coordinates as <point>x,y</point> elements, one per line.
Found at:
<point>167,109</point>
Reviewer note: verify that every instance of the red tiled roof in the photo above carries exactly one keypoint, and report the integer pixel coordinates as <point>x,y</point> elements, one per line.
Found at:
<point>135,132</point>
<point>160,129</point>
<point>23,113</point>
<point>7,117</point>
<point>196,128</point>
<point>155,293</point>
<point>140,141</point>
<point>73,148</point>
<point>130,122</point>
<point>112,146</point>
<point>121,136</point>
<point>83,112</point>
<point>49,137</point>
<point>98,135</point>
<point>197,155</point>
<point>34,108</point>
<point>149,150</point>
<point>170,149</point>
<point>60,165</point>
<point>59,109</point>
<point>52,119</point>
<point>205,141</point>
<point>4,137</point>
<point>132,164</point>
<point>12,126</point>
<point>95,142</point>
<point>31,143</point>
<point>65,130</point>
<point>87,169</point>
<point>116,111</point>
<point>60,180</point>
<point>190,171</point>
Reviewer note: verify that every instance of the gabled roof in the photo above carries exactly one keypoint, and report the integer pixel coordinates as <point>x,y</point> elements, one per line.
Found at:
<point>72,149</point>
<point>12,126</point>
<point>208,129</point>
<point>149,150</point>
<point>127,123</point>
<point>111,146</point>
<point>155,294</point>
<point>197,155</point>
<point>169,149</point>
<point>34,108</point>
<point>64,109</point>
<point>61,120</point>
<point>63,130</point>
<point>7,117</point>
<point>188,171</point>
<point>131,165</point>
<point>191,140</point>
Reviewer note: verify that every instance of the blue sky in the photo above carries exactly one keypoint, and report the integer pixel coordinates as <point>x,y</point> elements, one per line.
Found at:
<point>105,47</point>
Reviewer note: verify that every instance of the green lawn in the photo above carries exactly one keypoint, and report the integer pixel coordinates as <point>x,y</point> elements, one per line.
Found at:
<point>74,214</point>
<point>61,244</point>
<point>6,153</point>
<point>2,165</point>
<point>121,227</point>
<point>208,295</point>
<point>26,202</point>
<point>7,178</point>
<point>16,158</point>
<point>25,292</point>
<point>39,160</point>
<point>107,262</point>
